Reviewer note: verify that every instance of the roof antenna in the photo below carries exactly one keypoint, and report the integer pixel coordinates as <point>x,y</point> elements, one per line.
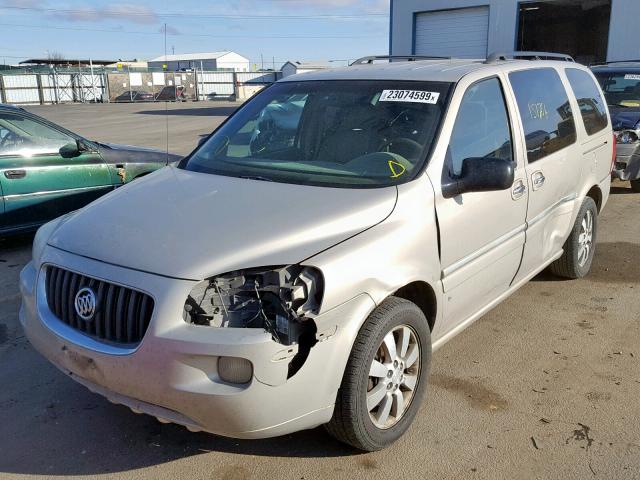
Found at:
<point>166,103</point>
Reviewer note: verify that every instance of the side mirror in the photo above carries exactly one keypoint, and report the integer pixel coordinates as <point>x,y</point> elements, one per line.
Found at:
<point>481,175</point>
<point>202,140</point>
<point>70,150</point>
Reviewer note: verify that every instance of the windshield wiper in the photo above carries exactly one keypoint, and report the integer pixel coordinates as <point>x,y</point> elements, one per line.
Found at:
<point>255,177</point>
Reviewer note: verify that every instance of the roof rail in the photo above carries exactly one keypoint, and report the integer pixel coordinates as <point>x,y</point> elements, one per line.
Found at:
<point>613,62</point>
<point>408,58</point>
<point>496,57</point>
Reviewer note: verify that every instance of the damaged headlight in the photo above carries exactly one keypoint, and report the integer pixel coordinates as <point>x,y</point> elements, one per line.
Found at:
<point>279,300</point>
<point>626,137</point>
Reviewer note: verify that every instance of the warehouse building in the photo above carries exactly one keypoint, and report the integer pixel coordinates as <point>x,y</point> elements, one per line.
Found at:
<point>589,30</point>
<point>201,61</point>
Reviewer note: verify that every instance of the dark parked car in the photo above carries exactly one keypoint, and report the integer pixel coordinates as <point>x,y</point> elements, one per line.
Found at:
<point>135,96</point>
<point>620,82</point>
<point>172,94</point>
<point>46,171</point>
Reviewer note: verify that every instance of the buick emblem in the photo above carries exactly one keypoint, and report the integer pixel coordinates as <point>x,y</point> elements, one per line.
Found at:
<point>85,303</point>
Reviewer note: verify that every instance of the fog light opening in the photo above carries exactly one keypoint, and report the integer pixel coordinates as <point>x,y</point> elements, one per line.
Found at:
<point>235,370</point>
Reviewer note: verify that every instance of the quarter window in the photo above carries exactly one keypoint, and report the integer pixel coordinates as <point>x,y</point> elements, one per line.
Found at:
<point>24,137</point>
<point>592,107</point>
<point>545,111</point>
<point>482,126</point>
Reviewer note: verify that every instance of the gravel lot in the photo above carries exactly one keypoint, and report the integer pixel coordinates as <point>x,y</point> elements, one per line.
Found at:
<point>142,124</point>
<point>544,386</point>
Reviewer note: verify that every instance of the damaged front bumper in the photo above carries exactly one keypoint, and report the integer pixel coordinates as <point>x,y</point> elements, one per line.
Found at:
<point>173,373</point>
<point>627,166</point>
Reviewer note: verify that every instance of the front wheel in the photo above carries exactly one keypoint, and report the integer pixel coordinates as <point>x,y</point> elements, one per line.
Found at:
<point>385,379</point>
<point>579,248</point>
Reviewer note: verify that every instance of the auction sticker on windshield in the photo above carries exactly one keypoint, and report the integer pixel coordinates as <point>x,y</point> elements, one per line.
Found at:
<point>631,76</point>
<point>417,96</point>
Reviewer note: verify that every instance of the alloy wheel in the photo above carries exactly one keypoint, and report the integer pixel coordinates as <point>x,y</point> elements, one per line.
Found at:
<point>585,240</point>
<point>393,375</point>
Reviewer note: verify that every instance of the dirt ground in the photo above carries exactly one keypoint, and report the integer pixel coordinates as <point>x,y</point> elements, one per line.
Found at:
<point>545,386</point>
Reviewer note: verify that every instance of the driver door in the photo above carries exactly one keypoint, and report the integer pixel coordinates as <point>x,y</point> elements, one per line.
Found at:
<point>37,183</point>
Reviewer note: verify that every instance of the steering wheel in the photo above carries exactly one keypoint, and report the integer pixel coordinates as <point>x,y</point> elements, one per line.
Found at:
<point>10,136</point>
<point>406,147</point>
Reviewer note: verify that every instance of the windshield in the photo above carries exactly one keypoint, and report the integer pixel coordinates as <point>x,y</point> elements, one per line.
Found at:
<point>622,89</point>
<point>329,133</point>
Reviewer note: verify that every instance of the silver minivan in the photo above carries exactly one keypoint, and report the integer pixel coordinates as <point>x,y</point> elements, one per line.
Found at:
<point>301,265</point>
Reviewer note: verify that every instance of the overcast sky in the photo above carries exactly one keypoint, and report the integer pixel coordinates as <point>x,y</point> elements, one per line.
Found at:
<point>315,29</point>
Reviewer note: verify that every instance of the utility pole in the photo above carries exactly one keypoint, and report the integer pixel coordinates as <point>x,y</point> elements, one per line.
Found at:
<point>166,104</point>
<point>262,62</point>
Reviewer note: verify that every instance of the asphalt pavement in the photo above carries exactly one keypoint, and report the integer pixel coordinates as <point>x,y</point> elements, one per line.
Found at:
<point>545,386</point>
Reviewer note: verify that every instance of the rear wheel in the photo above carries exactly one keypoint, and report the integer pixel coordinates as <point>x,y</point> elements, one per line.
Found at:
<point>385,379</point>
<point>580,246</point>
<point>635,185</point>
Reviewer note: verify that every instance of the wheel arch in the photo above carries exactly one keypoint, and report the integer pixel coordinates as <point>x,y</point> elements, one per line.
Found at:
<point>424,296</point>
<point>596,194</point>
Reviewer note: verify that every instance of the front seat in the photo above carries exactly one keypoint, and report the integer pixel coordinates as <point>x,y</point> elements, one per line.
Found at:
<point>354,137</point>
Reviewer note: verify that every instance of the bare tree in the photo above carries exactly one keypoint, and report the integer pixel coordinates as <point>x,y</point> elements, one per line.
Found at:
<point>54,55</point>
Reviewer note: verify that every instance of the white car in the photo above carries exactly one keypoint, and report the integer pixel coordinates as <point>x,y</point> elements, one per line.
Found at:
<point>287,276</point>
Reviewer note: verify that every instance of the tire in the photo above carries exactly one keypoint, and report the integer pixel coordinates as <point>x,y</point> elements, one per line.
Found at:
<point>635,185</point>
<point>573,264</point>
<point>353,423</point>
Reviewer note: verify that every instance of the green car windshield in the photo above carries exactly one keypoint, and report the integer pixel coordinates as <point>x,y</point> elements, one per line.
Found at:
<point>621,88</point>
<point>361,134</point>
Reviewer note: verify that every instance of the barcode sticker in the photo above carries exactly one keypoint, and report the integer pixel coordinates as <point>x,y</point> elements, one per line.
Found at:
<point>416,96</point>
<point>631,76</point>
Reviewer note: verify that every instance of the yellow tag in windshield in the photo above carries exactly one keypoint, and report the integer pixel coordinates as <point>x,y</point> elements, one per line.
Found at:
<point>396,169</point>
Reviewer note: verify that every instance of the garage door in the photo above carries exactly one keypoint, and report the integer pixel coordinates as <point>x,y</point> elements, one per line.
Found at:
<point>453,33</point>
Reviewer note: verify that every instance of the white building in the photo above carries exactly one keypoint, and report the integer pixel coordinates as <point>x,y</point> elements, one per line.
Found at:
<point>291,68</point>
<point>202,61</point>
<point>589,30</point>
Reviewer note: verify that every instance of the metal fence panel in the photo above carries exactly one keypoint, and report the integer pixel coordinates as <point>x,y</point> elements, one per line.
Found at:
<point>215,84</point>
<point>79,86</point>
<point>65,88</point>
<point>20,81</point>
<point>23,95</point>
<point>49,95</point>
<point>256,77</point>
<point>90,88</point>
<point>217,77</point>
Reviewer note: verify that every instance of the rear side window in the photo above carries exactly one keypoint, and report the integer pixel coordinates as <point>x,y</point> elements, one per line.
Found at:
<point>592,107</point>
<point>545,111</point>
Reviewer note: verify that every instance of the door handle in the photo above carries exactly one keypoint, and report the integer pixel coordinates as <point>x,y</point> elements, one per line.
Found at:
<point>518,190</point>
<point>538,180</point>
<point>15,174</point>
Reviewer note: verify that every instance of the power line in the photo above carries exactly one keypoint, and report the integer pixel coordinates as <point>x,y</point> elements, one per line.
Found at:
<point>115,13</point>
<point>179,34</point>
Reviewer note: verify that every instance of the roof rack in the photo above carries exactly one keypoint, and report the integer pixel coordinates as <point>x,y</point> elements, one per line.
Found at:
<point>497,57</point>
<point>613,62</point>
<point>408,58</point>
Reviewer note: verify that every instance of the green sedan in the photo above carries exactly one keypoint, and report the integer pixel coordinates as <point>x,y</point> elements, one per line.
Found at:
<point>47,171</point>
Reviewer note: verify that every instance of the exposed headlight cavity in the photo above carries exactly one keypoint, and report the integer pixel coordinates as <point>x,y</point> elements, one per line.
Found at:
<point>627,136</point>
<point>280,300</point>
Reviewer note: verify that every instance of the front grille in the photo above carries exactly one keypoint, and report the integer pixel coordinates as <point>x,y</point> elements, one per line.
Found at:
<point>121,316</point>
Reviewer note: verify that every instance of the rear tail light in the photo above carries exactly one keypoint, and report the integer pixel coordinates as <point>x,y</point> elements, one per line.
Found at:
<point>615,152</point>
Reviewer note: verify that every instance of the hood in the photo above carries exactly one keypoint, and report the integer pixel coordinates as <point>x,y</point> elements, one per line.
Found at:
<point>624,118</point>
<point>114,153</point>
<point>193,225</point>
